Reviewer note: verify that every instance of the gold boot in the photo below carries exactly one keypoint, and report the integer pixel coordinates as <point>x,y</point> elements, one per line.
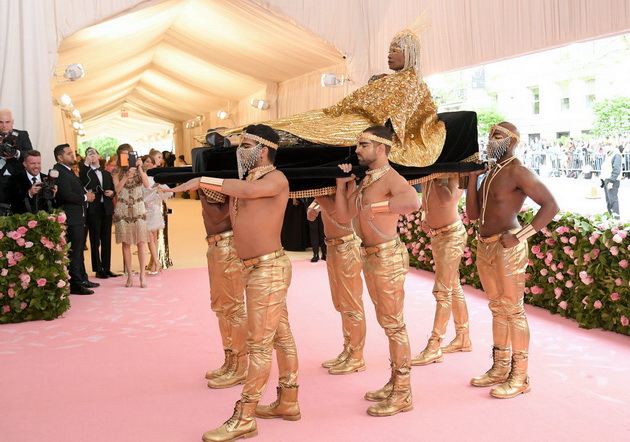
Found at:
<point>432,353</point>
<point>499,371</point>
<point>234,375</point>
<point>340,358</point>
<point>382,393</point>
<point>399,400</point>
<point>350,365</point>
<point>221,370</point>
<point>242,424</point>
<point>460,343</point>
<point>518,381</point>
<point>285,406</point>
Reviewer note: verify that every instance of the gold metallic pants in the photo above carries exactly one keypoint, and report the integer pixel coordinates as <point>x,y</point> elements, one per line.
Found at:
<point>227,289</point>
<point>266,288</point>
<point>346,287</point>
<point>448,248</point>
<point>384,268</point>
<point>502,273</point>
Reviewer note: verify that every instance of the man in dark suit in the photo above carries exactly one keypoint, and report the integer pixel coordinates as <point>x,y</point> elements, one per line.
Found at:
<point>72,197</point>
<point>99,212</point>
<point>11,164</point>
<point>25,188</point>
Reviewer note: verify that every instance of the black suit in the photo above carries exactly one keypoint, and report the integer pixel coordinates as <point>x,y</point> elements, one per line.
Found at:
<point>99,217</point>
<point>21,201</point>
<point>21,141</point>
<point>71,198</point>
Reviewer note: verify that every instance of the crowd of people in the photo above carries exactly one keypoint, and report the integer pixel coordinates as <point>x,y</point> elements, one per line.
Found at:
<point>573,158</point>
<point>96,195</point>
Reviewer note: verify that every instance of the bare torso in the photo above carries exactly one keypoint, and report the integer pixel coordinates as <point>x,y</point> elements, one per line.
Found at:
<point>439,212</point>
<point>331,226</point>
<point>215,216</point>
<point>503,200</point>
<point>257,222</point>
<point>385,223</point>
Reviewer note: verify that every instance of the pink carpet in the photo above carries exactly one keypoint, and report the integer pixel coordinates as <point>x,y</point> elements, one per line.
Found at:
<point>129,364</point>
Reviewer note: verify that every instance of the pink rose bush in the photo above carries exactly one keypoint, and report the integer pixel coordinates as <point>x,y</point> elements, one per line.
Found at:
<point>33,254</point>
<point>573,259</point>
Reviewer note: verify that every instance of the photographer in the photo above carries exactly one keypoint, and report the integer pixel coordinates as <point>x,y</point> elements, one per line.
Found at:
<point>31,190</point>
<point>72,197</point>
<point>13,144</point>
<point>99,212</point>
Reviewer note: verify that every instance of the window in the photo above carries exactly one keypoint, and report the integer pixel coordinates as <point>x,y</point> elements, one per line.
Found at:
<point>535,99</point>
<point>533,138</point>
<point>494,98</point>
<point>562,134</point>
<point>565,101</point>
<point>589,86</point>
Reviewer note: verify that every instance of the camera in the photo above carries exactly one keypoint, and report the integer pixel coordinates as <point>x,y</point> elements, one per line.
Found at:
<point>7,146</point>
<point>128,159</point>
<point>47,188</point>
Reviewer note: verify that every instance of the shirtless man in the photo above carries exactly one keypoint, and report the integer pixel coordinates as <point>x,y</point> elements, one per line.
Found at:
<point>380,197</point>
<point>257,206</point>
<point>442,223</point>
<point>502,255</point>
<point>343,264</point>
<point>227,288</point>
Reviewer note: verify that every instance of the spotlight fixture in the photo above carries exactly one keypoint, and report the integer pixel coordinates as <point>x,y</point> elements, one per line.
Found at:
<point>76,113</point>
<point>259,104</point>
<point>75,125</point>
<point>72,72</point>
<point>222,115</point>
<point>333,80</point>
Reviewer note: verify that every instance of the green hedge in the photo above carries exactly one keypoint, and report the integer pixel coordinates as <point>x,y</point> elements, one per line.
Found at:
<point>578,266</point>
<point>33,267</point>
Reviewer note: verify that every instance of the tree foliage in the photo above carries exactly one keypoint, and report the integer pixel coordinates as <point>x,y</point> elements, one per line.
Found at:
<point>612,117</point>
<point>106,146</point>
<point>486,117</point>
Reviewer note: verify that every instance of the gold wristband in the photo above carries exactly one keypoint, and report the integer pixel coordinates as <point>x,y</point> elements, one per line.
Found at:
<point>314,205</point>
<point>211,183</point>
<point>380,207</point>
<point>527,231</point>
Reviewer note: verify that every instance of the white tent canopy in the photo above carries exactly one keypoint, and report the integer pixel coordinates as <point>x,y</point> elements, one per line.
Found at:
<point>168,62</point>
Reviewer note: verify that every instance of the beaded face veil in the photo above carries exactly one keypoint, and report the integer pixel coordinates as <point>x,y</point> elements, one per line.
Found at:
<point>246,157</point>
<point>497,148</point>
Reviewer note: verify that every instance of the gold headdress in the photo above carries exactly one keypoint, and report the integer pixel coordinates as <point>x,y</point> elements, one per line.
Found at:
<point>504,131</point>
<point>409,42</point>
<point>378,139</point>
<point>259,139</point>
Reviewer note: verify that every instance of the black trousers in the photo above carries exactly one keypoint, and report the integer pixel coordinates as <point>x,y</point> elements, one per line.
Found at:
<point>612,198</point>
<point>100,230</point>
<point>316,233</point>
<point>76,238</point>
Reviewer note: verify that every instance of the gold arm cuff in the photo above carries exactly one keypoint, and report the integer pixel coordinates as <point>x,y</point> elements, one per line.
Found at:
<point>314,205</point>
<point>380,207</point>
<point>211,183</point>
<point>527,231</point>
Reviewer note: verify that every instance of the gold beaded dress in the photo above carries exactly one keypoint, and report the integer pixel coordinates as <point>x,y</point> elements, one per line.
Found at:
<point>130,215</point>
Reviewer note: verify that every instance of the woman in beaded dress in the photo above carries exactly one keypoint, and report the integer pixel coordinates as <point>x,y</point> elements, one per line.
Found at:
<point>130,215</point>
<point>155,220</point>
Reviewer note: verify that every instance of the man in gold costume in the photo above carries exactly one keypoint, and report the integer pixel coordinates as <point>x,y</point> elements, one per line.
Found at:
<point>502,255</point>
<point>403,98</point>
<point>442,223</point>
<point>343,264</point>
<point>375,204</point>
<point>227,288</point>
<point>257,206</point>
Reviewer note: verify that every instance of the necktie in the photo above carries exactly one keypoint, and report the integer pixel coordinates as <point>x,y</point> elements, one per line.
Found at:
<point>34,180</point>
